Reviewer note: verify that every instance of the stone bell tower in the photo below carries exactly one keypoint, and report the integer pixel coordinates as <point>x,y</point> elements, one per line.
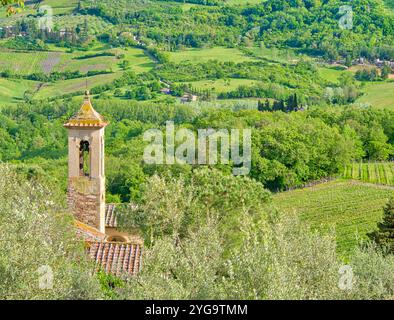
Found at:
<point>86,178</point>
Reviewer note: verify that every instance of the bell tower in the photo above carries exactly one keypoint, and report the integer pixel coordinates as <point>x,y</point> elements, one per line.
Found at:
<point>86,176</point>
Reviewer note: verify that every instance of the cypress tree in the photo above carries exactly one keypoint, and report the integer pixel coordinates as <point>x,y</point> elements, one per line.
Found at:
<point>276,106</point>
<point>260,106</point>
<point>384,236</point>
<point>295,102</point>
<point>267,105</point>
<point>289,103</point>
<point>282,106</point>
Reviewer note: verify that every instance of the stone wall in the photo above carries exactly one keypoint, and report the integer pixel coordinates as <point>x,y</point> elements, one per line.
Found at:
<point>84,200</point>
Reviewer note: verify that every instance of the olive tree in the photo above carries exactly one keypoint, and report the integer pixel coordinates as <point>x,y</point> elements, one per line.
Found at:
<point>40,257</point>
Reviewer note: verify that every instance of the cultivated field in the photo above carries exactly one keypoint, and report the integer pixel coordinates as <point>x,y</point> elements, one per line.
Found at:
<point>243,2</point>
<point>27,63</point>
<point>373,172</point>
<point>352,208</point>
<point>96,25</point>
<point>22,62</point>
<point>61,6</point>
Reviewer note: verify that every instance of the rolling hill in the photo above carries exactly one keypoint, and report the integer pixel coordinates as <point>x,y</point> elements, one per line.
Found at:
<point>352,208</point>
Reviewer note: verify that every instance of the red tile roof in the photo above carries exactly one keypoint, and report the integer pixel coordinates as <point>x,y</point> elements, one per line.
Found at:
<point>110,216</point>
<point>116,257</point>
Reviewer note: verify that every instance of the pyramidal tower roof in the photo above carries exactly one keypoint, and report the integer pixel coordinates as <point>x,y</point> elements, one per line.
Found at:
<point>86,116</point>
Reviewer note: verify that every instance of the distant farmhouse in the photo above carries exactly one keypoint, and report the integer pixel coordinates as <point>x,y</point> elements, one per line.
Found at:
<point>188,97</point>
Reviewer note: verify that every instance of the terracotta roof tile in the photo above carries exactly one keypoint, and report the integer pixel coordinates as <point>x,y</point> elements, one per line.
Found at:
<point>110,216</point>
<point>116,257</point>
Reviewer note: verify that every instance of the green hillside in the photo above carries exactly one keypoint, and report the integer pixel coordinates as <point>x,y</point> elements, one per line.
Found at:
<point>15,64</point>
<point>352,208</point>
<point>74,85</point>
<point>373,172</point>
<point>379,94</point>
<point>12,91</point>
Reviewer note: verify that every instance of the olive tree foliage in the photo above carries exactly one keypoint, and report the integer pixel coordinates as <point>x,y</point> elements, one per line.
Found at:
<point>40,257</point>
<point>174,206</point>
<point>374,273</point>
<point>280,261</point>
<point>285,261</point>
<point>205,244</point>
<point>216,236</point>
<point>290,261</point>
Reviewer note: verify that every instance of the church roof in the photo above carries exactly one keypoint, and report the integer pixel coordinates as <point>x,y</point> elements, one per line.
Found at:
<point>88,233</point>
<point>116,257</point>
<point>110,215</point>
<point>86,116</point>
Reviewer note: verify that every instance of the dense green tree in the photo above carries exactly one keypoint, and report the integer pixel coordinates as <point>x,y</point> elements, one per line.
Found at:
<point>386,71</point>
<point>172,207</point>
<point>384,236</point>
<point>377,146</point>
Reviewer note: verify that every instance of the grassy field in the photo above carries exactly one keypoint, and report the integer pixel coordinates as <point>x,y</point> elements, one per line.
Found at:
<point>69,86</point>
<point>352,208</point>
<point>11,91</point>
<point>61,6</point>
<point>379,94</point>
<point>139,62</point>
<point>330,74</point>
<point>222,85</point>
<point>276,55</point>
<point>203,55</point>
<point>374,172</point>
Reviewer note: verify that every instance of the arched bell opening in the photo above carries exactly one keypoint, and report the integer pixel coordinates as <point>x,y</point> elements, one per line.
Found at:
<point>84,159</point>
